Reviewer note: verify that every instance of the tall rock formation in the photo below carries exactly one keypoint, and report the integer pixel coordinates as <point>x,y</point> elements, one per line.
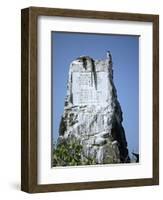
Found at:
<point>92,114</point>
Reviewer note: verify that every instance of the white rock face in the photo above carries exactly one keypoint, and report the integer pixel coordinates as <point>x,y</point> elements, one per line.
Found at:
<point>92,113</point>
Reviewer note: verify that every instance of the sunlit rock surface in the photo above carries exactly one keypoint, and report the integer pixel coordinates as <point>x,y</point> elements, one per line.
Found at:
<point>92,113</point>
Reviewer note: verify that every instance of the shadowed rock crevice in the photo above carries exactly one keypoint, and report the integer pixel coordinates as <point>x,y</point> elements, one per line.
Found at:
<point>86,60</point>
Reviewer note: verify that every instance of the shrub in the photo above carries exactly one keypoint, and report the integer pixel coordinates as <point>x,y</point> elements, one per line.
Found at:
<point>70,154</point>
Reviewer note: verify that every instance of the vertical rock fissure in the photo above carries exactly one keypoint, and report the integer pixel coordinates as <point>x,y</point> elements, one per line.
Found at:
<point>94,73</point>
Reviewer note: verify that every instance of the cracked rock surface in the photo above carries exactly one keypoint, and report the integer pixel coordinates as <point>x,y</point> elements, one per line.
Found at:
<point>92,113</point>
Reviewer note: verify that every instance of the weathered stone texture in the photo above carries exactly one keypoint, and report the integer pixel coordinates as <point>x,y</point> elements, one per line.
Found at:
<point>92,113</point>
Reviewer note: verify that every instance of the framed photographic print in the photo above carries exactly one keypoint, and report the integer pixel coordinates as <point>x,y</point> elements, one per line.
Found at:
<point>90,99</point>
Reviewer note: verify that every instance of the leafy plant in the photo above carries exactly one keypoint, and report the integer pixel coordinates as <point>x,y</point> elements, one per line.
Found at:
<point>70,154</point>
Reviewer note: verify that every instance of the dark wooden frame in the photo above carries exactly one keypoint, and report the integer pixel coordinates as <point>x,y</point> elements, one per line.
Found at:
<point>29,99</point>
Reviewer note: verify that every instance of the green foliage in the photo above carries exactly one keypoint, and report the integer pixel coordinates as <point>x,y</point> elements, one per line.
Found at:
<point>70,154</point>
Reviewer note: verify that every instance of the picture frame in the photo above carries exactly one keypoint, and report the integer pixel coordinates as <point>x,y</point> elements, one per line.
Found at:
<point>29,99</point>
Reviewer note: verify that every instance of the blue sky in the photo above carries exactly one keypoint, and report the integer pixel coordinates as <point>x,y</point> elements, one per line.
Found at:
<point>125,53</point>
